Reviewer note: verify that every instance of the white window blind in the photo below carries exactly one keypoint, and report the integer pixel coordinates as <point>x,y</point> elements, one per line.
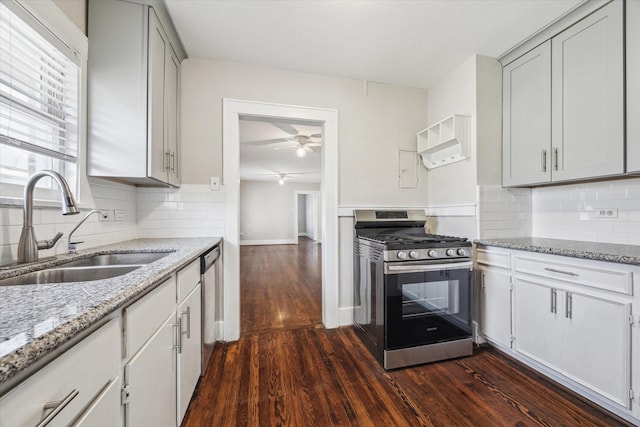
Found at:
<point>39,102</point>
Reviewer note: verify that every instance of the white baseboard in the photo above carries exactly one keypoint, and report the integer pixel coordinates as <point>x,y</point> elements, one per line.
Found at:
<point>268,242</point>
<point>218,330</point>
<point>345,316</point>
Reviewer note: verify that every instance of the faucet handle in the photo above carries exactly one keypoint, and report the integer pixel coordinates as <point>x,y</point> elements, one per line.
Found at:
<point>48,244</point>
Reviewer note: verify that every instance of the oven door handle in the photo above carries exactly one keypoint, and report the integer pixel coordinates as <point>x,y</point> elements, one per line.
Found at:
<point>417,268</point>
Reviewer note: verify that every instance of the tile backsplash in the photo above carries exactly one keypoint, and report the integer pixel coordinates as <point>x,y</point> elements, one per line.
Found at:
<point>504,212</point>
<point>191,211</point>
<point>572,211</point>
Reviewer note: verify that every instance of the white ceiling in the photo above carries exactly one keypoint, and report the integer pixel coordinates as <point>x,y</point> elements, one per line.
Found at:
<point>407,43</point>
<point>266,162</point>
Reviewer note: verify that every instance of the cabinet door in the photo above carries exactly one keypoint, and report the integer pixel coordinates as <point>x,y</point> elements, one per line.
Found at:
<point>527,118</point>
<point>632,16</point>
<point>172,82</point>
<point>151,378</point>
<point>596,351</point>
<point>190,350</point>
<point>101,412</point>
<point>588,97</point>
<point>158,159</point>
<point>537,330</point>
<point>496,305</point>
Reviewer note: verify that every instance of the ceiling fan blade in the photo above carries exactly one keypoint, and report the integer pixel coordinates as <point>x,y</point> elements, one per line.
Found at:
<point>313,144</point>
<point>316,135</point>
<point>286,128</point>
<point>308,149</point>
<point>266,141</point>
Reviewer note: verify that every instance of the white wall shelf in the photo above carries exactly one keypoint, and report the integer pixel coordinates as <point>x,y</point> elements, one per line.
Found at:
<point>445,142</point>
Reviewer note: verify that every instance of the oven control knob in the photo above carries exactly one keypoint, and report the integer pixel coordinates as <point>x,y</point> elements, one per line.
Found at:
<point>402,254</point>
<point>462,252</point>
<point>413,254</point>
<point>450,252</point>
<point>432,253</point>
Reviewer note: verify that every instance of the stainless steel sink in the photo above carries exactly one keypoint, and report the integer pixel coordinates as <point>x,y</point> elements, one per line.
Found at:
<point>63,275</point>
<point>134,258</point>
<point>97,267</point>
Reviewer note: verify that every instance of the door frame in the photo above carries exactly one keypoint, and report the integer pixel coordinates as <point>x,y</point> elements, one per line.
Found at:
<point>232,110</point>
<point>296,207</point>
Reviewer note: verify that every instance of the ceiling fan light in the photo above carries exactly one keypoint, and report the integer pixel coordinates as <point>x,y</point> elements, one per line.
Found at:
<point>300,152</point>
<point>281,181</point>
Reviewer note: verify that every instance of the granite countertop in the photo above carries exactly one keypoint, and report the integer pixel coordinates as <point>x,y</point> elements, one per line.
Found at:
<point>624,254</point>
<point>35,320</point>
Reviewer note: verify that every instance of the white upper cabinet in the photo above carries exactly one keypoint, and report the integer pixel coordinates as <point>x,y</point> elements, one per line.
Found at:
<point>134,77</point>
<point>563,104</point>
<point>632,12</point>
<point>527,118</point>
<point>588,97</point>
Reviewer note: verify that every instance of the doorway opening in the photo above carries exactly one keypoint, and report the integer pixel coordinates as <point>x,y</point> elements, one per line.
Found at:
<point>233,112</point>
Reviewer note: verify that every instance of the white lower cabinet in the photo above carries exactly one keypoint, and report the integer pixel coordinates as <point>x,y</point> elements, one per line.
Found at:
<point>495,288</point>
<point>571,318</point>
<point>68,390</point>
<point>189,350</point>
<point>101,412</point>
<point>585,337</point>
<point>150,379</point>
<point>164,349</point>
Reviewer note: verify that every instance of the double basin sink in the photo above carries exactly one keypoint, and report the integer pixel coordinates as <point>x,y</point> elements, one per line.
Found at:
<point>96,267</point>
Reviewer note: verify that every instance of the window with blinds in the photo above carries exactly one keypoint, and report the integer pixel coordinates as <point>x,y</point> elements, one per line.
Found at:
<point>39,100</point>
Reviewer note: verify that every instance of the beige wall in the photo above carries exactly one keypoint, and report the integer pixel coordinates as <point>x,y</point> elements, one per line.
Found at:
<point>454,183</point>
<point>373,125</point>
<point>266,210</point>
<point>76,10</point>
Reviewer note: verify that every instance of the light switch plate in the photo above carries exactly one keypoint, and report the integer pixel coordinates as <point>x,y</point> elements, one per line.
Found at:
<point>120,215</point>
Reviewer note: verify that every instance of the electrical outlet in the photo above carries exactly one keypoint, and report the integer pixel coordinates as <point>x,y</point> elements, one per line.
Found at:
<point>607,213</point>
<point>106,215</point>
<point>120,215</point>
<point>215,183</point>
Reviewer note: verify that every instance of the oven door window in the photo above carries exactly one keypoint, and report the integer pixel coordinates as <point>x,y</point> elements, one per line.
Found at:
<point>427,307</point>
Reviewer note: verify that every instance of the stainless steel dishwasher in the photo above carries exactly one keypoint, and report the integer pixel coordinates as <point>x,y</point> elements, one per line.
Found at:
<point>208,276</point>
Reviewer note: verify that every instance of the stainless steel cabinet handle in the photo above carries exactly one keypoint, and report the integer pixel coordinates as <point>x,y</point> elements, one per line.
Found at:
<point>55,407</point>
<point>188,313</point>
<point>555,161</point>
<point>568,273</point>
<point>482,280</point>
<point>173,161</point>
<point>544,160</point>
<point>178,345</point>
<point>554,301</point>
<point>167,161</point>
<point>569,306</point>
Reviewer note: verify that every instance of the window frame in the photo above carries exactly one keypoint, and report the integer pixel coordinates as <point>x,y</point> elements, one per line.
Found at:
<point>60,26</point>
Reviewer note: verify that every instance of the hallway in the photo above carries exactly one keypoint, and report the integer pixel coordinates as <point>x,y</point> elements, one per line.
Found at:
<point>280,286</point>
<point>288,370</point>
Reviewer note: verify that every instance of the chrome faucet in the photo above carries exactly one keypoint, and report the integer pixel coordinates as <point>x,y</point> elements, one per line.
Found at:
<point>28,246</point>
<point>72,245</point>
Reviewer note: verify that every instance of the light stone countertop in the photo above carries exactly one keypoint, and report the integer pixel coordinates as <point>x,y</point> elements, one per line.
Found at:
<point>36,320</point>
<point>610,252</point>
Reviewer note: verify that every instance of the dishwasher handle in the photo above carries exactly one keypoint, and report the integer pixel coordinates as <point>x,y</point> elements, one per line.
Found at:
<point>208,259</point>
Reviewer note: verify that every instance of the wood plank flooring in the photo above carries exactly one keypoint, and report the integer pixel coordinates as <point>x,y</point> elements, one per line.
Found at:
<point>291,371</point>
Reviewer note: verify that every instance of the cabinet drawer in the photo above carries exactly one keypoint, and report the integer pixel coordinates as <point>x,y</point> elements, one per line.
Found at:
<point>492,257</point>
<point>145,316</point>
<point>188,279</point>
<point>86,369</point>
<point>588,273</point>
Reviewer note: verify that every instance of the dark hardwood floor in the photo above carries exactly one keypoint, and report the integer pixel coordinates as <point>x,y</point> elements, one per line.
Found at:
<point>287,369</point>
<point>280,286</point>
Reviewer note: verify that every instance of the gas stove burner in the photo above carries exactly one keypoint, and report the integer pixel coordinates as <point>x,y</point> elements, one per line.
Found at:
<point>413,239</point>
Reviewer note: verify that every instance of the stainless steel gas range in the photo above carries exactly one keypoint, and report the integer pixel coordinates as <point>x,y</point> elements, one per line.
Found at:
<point>412,299</point>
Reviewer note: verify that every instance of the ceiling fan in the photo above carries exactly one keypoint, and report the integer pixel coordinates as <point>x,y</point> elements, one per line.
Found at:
<point>303,144</point>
